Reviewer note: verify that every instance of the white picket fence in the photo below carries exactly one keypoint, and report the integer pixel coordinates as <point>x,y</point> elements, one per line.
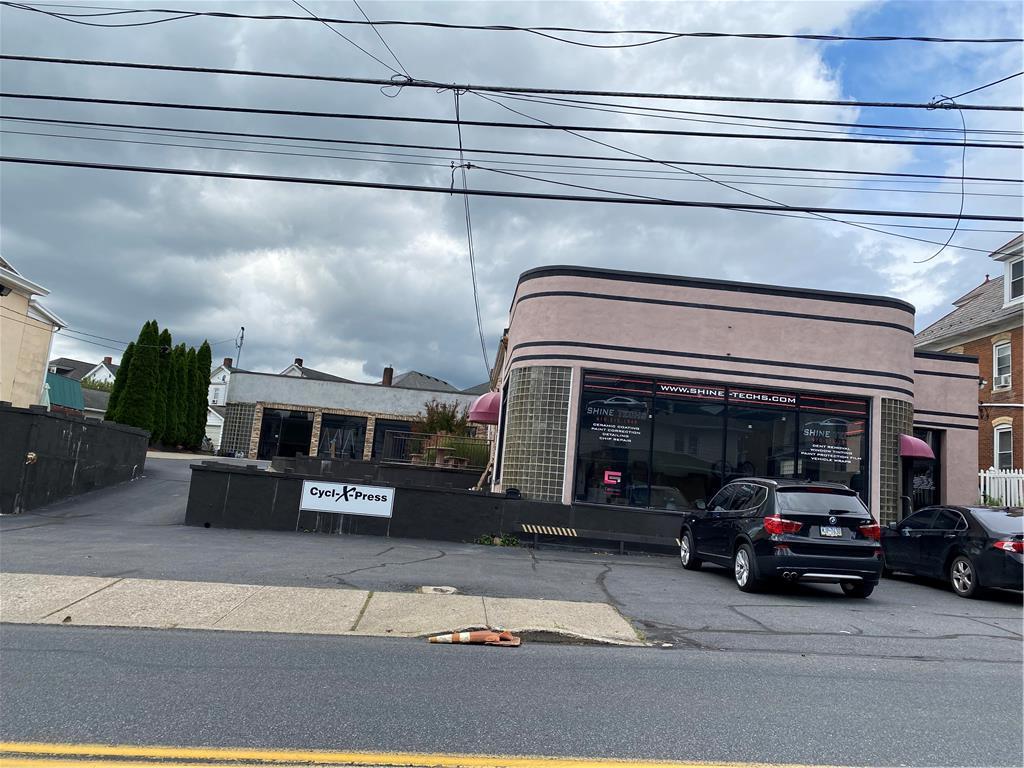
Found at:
<point>1001,487</point>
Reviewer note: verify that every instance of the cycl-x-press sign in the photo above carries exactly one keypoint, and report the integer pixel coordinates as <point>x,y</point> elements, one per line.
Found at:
<point>345,499</point>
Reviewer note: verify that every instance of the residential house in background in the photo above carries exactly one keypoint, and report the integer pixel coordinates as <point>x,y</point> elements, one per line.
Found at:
<point>219,379</point>
<point>95,401</point>
<point>297,368</point>
<point>988,323</point>
<point>26,337</point>
<point>80,370</point>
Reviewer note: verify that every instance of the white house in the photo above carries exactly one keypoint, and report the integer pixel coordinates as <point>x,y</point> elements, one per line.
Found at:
<point>219,378</point>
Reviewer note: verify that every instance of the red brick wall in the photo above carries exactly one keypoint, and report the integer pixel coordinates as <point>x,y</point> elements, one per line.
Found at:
<point>982,349</point>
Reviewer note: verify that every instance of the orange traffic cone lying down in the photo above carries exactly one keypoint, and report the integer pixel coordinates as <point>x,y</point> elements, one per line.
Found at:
<point>480,637</point>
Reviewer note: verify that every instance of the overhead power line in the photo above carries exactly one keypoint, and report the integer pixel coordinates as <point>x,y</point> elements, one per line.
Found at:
<point>853,139</point>
<point>666,34</point>
<point>502,193</point>
<point>894,176</point>
<point>987,85</point>
<point>502,89</point>
<point>348,40</point>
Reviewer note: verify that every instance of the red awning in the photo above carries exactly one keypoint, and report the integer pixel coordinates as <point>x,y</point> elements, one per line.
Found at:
<point>486,409</point>
<point>915,448</point>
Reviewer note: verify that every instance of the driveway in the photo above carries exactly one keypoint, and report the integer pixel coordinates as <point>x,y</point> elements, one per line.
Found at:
<point>136,530</point>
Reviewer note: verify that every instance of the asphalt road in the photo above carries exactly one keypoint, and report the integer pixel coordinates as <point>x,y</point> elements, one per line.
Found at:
<point>136,530</point>
<point>171,687</point>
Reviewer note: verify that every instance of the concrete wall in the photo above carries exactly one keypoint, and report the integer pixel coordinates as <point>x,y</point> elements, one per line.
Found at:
<point>713,331</point>
<point>72,456</point>
<point>946,399</point>
<point>24,351</point>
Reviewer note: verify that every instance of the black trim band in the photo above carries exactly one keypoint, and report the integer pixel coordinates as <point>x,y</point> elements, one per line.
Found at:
<point>716,307</point>
<point>947,413</point>
<point>717,371</point>
<point>973,427</point>
<point>946,375</point>
<point>724,358</point>
<point>945,356</point>
<point>715,285</point>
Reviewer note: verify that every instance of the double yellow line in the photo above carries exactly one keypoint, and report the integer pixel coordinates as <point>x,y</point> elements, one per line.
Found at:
<point>35,755</point>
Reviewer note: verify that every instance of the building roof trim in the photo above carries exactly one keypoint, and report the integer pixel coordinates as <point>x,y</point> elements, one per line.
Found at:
<point>953,356</point>
<point>716,285</point>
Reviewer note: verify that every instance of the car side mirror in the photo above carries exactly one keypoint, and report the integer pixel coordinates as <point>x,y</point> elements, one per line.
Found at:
<point>892,525</point>
<point>701,504</point>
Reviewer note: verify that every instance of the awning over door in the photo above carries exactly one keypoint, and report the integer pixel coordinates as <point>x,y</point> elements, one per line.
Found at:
<point>915,448</point>
<point>486,408</point>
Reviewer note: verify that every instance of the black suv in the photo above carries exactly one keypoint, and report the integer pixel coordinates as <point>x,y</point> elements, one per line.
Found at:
<point>797,531</point>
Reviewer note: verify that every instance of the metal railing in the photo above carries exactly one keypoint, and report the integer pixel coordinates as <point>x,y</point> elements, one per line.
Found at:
<point>439,450</point>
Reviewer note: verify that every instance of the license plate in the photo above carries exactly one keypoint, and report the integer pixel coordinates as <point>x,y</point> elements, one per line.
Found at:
<point>833,531</point>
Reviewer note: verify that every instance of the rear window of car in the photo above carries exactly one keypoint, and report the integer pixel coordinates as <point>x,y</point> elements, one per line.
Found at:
<point>818,500</point>
<point>1004,522</point>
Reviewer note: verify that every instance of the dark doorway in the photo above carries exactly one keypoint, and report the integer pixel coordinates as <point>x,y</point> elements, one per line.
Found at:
<point>284,433</point>
<point>922,477</point>
<point>342,437</point>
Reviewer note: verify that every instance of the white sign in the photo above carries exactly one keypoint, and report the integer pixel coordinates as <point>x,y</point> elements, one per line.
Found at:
<point>346,499</point>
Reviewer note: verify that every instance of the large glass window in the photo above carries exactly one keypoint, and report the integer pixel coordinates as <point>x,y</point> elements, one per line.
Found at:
<point>1003,443</point>
<point>284,433</point>
<point>391,440</point>
<point>687,450</point>
<point>1001,365</point>
<point>342,437</point>
<point>614,464</point>
<point>670,444</point>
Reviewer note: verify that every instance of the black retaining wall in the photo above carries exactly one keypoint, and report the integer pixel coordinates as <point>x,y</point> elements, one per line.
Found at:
<point>232,496</point>
<point>357,470</point>
<point>73,456</point>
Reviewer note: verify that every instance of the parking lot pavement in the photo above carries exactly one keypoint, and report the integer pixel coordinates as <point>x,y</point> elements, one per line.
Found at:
<point>135,530</point>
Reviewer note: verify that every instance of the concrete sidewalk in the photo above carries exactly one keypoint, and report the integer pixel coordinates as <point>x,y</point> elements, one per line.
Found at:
<point>27,598</point>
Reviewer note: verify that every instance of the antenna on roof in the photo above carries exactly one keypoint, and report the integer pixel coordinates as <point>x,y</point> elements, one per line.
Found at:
<point>239,341</point>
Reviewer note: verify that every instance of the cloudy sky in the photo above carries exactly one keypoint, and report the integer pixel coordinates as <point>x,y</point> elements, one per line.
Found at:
<point>352,280</point>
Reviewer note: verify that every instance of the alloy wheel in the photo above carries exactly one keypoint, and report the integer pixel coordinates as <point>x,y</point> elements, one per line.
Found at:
<point>962,575</point>
<point>742,567</point>
<point>684,549</point>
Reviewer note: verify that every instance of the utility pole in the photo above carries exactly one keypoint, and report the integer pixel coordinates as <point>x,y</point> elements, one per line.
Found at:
<point>239,341</point>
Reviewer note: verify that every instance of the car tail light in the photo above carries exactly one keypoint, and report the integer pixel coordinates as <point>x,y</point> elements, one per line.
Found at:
<point>1010,545</point>
<point>872,531</point>
<point>776,525</point>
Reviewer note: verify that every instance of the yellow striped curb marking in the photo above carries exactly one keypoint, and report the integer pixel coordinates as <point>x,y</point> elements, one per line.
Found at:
<point>549,530</point>
<point>36,755</point>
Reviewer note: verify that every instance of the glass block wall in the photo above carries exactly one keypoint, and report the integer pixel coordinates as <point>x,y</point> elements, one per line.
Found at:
<point>536,421</point>
<point>897,419</point>
<point>238,421</point>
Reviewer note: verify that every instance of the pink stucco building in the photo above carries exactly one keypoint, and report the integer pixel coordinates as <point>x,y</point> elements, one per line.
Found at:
<point>647,392</point>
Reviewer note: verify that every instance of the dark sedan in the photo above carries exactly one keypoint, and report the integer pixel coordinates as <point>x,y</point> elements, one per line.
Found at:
<point>970,547</point>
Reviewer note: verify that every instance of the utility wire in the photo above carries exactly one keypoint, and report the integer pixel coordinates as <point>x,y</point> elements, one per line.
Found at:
<point>671,176</point>
<point>543,125</point>
<point>963,170</point>
<point>897,177</point>
<point>667,34</point>
<point>501,89</point>
<point>502,193</point>
<point>346,39</point>
<point>401,66</point>
<point>982,87</point>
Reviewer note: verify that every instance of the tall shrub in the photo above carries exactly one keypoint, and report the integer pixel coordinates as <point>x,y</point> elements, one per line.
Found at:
<point>189,411</point>
<point>180,387</point>
<point>119,382</point>
<point>160,402</point>
<point>204,362</point>
<point>138,401</point>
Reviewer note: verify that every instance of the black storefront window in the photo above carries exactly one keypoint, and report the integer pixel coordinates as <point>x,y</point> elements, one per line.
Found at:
<point>389,440</point>
<point>669,444</point>
<point>284,433</point>
<point>925,474</point>
<point>614,459</point>
<point>342,437</point>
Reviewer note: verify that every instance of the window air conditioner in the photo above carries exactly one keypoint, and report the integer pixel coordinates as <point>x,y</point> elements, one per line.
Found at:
<point>1002,381</point>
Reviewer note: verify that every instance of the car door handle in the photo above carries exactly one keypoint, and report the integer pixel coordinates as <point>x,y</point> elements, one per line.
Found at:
<point>949,536</point>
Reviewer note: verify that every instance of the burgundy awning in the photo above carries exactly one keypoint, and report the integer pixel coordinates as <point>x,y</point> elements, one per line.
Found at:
<point>915,448</point>
<point>486,409</point>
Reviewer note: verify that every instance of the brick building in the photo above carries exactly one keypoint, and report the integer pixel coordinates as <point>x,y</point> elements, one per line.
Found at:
<point>988,323</point>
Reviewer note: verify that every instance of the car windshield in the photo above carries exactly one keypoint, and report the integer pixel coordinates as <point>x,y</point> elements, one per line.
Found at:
<point>1008,521</point>
<point>818,500</point>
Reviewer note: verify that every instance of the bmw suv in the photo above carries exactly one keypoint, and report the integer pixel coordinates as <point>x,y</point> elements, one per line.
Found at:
<point>765,529</point>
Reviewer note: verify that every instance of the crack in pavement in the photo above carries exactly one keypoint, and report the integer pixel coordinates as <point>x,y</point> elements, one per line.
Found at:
<point>338,576</point>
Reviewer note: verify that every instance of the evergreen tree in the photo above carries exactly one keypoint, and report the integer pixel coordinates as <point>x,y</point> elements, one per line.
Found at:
<point>190,409</point>
<point>137,404</point>
<point>204,364</point>
<point>176,397</point>
<point>160,404</point>
<point>119,381</point>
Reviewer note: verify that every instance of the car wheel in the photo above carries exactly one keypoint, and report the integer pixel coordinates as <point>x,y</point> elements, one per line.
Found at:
<point>744,569</point>
<point>687,552</point>
<point>857,589</point>
<point>963,577</point>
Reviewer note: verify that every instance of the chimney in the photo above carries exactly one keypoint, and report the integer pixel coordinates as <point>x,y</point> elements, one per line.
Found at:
<point>108,360</point>
<point>228,362</point>
<point>389,375</point>
<point>986,278</point>
<point>298,361</point>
